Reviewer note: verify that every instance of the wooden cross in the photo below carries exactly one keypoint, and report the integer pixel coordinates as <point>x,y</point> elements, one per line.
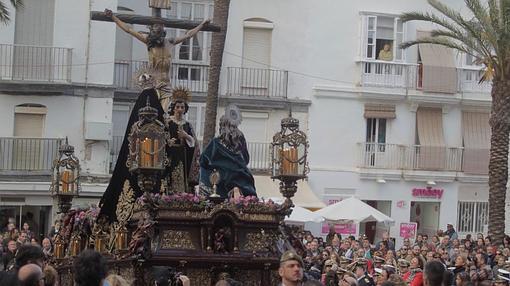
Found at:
<point>151,20</point>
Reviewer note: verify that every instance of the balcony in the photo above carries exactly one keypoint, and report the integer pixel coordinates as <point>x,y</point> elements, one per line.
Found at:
<point>414,157</point>
<point>28,154</point>
<point>388,74</point>
<point>260,154</point>
<point>35,64</point>
<point>253,82</point>
<point>194,77</point>
<point>377,73</point>
<point>469,80</point>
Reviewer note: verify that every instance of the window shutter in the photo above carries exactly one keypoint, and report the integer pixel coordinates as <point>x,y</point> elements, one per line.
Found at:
<point>257,48</point>
<point>28,125</point>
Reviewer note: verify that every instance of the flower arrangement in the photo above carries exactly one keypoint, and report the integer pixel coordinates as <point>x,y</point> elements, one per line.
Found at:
<point>80,221</point>
<point>253,204</point>
<point>176,200</point>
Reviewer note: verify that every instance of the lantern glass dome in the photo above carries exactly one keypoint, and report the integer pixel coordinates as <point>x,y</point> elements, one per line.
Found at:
<point>66,172</point>
<point>147,142</point>
<point>289,151</point>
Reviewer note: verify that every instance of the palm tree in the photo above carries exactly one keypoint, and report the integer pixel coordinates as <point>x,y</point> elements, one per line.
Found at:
<point>221,8</point>
<point>5,16</point>
<point>484,34</point>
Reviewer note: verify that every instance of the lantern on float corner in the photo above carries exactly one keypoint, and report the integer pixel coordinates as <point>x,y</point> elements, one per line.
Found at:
<point>65,180</point>
<point>147,156</point>
<point>289,157</point>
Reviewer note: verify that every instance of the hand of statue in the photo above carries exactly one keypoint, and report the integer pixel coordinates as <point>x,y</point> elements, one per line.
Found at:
<point>108,13</point>
<point>172,141</point>
<point>185,280</point>
<point>182,134</point>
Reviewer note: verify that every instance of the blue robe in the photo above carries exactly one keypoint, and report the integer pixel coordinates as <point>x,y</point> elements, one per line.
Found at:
<point>232,166</point>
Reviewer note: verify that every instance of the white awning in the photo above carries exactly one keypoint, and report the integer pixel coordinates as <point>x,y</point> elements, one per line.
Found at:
<point>304,197</point>
<point>439,69</point>
<point>476,133</point>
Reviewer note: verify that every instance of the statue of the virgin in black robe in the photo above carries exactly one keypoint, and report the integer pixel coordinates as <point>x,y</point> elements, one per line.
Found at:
<point>108,203</point>
<point>181,175</point>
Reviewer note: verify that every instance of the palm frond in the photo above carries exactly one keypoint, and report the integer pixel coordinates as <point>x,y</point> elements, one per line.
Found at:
<point>483,21</point>
<point>436,41</point>
<point>17,3</point>
<point>469,26</point>
<point>428,17</point>
<point>4,13</point>
<point>495,15</point>
<point>462,40</point>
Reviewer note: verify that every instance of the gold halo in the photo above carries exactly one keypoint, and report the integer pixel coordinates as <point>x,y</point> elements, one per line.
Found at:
<point>181,93</point>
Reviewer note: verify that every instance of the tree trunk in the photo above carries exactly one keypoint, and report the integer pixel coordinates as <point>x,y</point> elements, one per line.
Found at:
<point>498,164</point>
<point>221,8</point>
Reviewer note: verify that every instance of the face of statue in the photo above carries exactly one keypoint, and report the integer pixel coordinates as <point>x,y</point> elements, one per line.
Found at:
<point>179,109</point>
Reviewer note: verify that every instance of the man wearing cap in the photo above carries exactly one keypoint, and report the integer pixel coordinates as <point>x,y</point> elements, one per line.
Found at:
<point>502,279</point>
<point>362,277</point>
<point>403,266</point>
<point>291,269</point>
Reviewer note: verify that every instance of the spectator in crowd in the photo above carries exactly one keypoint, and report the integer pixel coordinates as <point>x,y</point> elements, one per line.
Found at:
<point>29,254</point>
<point>9,255</point>
<point>51,276</point>
<point>291,269</point>
<point>89,269</point>
<point>31,275</point>
<point>433,273</point>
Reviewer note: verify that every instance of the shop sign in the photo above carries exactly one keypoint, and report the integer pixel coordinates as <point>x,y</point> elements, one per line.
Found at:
<point>428,193</point>
<point>408,230</point>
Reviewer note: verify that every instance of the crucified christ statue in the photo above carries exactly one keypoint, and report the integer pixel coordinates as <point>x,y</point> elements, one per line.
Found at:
<point>160,51</point>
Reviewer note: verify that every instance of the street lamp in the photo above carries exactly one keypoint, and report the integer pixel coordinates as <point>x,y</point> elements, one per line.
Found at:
<point>289,157</point>
<point>147,141</point>
<point>65,181</point>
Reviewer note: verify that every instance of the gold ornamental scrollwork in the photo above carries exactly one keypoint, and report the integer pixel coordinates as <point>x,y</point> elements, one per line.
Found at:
<point>177,239</point>
<point>257,241</point>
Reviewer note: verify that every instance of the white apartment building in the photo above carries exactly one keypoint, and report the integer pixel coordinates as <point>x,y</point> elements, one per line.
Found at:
<point>408,134</point>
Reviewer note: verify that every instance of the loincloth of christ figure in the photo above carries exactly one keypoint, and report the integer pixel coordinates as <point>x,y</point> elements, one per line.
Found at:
<point>159,50</point>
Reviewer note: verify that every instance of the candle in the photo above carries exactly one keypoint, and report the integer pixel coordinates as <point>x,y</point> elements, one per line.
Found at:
<point>59,247</point>
<point>289,161</point>
<point>99,244</point>
<point>146,153</point>
<point>66,178</point>
<point>75,245</point>
<point>121,239</point>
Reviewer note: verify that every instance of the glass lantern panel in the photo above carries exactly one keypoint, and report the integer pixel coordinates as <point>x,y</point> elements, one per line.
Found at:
<point>150,153</point>
<point>68,182</point>
<point>289,160</point>
<point>276,160</point>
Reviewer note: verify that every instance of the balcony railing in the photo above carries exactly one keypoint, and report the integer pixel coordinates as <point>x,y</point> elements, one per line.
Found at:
<point>393,156</point>
<point>388,74</point>
<point>194,77</point>
<point>28,154</point>
<point>375,73</point>
<point>257,82</point>
<point>469,80</point>
<point>260,154</point>
<point>33,63</point>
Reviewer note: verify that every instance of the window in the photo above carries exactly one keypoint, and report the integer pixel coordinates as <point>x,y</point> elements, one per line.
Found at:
<point>382,38</point>
<point>472,217</point>
<point>375,142</point>
<point>376,130</point>
<point>196,117</point>
<point>196,48</point>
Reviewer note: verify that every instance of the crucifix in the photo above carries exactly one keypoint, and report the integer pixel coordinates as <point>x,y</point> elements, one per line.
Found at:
<point>159,48</point>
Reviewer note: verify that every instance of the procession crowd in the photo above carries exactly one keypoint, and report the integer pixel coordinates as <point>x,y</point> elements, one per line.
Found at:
<point>444,258</point>
<point>350,261</point>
